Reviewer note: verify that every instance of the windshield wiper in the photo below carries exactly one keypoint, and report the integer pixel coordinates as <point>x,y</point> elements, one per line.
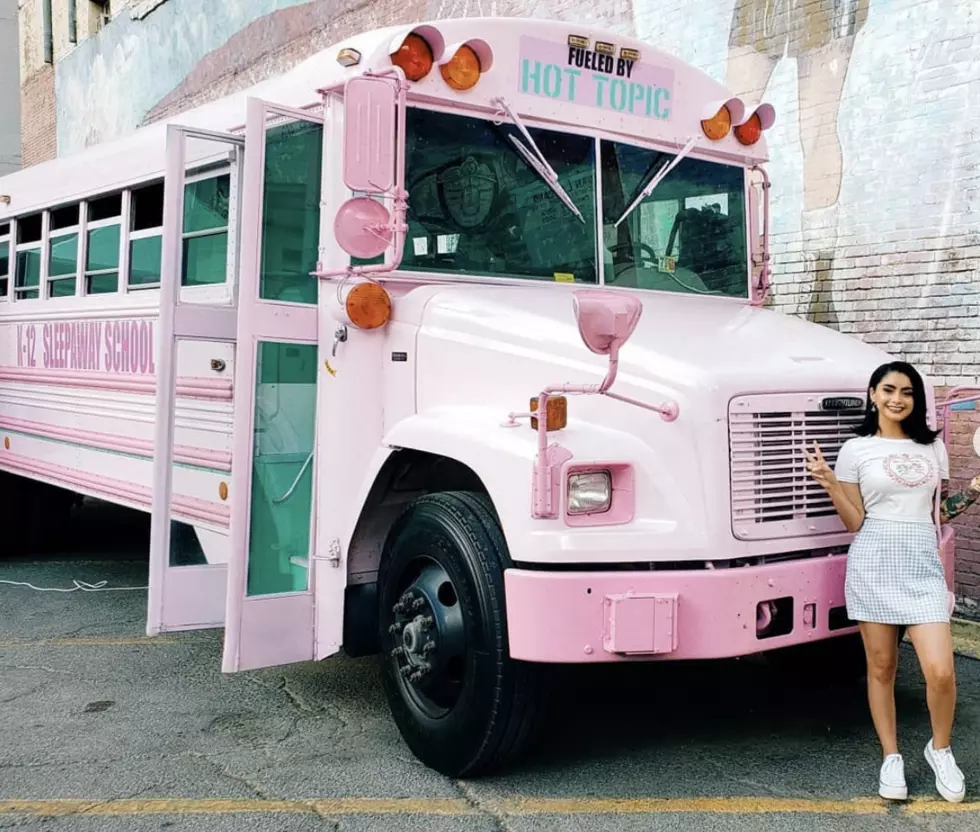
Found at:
<point>535,158</point>
<point>658,179</point>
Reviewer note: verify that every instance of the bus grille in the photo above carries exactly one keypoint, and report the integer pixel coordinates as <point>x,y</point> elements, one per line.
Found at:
<point>773,495</point>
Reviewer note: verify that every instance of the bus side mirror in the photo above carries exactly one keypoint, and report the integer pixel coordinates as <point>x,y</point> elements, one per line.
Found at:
<point>370,125</point>
<point>606,320</point>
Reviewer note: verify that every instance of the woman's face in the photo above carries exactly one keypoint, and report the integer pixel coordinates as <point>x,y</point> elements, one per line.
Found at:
<point>893,397</point>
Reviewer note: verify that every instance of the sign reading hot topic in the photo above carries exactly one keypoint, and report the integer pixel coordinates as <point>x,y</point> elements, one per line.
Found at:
<point>124,347</point>
<point>578,75</point>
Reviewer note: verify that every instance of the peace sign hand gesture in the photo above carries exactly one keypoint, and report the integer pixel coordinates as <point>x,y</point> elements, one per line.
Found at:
<point>818,467</point>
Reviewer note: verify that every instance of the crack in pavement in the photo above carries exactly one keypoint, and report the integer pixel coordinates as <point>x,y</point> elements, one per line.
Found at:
<point>223,770</point>
<point>500,820</point>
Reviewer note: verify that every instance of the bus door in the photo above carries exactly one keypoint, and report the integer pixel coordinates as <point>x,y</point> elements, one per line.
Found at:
<point>270,609</point>
<point>190,512</point>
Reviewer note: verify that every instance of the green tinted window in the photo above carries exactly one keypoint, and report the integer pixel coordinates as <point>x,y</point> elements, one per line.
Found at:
<point>291,212</point>
<point>4,270</point>
<point>63,288</point>
<point>64,256</point>
<point>103,249</point>
<point>282,470</point>
<point>206,204</point>
<point>144,261</point>
<point>102,284</point>
<point>688,235</point>
<point>28,270</point>
<point>476,207</point>
<point>205,260</point>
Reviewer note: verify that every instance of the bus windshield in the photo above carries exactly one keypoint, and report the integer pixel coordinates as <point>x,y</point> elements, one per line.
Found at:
<point>688,235</point>
<point>476,207</point>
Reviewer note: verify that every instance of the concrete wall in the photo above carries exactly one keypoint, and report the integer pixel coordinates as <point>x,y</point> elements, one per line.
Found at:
<point>876,166</point>
<point>9,89</point>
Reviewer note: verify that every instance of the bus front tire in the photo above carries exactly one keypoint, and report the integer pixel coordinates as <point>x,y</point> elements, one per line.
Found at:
<point>462,705</point>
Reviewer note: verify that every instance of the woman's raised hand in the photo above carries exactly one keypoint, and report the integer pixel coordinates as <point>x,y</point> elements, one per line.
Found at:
<point>818,467</point>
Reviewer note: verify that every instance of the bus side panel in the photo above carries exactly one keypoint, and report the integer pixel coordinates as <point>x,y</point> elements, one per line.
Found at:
<point>77,410</point>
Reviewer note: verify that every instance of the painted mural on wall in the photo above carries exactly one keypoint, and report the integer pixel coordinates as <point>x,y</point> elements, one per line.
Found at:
<point>820,40</point>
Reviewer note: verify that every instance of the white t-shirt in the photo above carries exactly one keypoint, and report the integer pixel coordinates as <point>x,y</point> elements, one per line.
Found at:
<point>898,477</point>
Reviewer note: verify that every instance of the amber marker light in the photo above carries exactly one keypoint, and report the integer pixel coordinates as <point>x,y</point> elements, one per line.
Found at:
<point>557,415</point>
<point>368,306</point>
<point>717,127</point>
<point>414,57</point>
<point>462,71</point>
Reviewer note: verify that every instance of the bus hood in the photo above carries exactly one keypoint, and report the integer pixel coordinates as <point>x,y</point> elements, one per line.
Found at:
<point>684,347</point>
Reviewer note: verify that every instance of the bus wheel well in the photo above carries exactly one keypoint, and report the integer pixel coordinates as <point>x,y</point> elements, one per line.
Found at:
<point>406,475</point>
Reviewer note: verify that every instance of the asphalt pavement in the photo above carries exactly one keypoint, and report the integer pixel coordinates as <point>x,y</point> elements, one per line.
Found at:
<point>105,729</point>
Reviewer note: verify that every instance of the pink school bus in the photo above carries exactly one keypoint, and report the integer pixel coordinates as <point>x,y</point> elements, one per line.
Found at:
<point>448,345</point>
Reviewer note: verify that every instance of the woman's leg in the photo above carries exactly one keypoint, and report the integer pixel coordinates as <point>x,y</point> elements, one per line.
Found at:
<point>881,649</point>
<point>934,646</point>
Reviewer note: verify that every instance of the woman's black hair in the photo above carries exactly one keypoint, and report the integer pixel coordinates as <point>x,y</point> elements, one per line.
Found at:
<point>914,425</point>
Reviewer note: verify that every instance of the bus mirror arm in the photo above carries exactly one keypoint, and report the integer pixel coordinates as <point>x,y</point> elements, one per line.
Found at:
<point>761,258</point>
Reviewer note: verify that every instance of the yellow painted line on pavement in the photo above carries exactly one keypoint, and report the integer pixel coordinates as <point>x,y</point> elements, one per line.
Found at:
<point>98,641</point>
<point>692,805</point>
<point>936,806</point>
<point>513,807</point>
<point>180,806</point>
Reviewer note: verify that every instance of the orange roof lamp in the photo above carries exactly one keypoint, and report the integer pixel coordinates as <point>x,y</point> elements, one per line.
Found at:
<point>462,70</point>
<point>414,56</point>
<point>722,118</point>
<point>461,65</point>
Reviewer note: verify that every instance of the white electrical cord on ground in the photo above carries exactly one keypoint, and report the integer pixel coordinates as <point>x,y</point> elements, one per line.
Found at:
<point>101,586</point>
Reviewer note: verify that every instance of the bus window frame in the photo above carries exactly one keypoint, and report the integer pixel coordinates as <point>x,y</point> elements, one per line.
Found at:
<point>422,277</point>
<point>38,245</point>
<point>207,293</point>
<point>57,234</point>
<point>9,274</point>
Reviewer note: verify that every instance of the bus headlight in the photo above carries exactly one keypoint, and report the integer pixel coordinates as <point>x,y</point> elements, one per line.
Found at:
<point>589,492</point>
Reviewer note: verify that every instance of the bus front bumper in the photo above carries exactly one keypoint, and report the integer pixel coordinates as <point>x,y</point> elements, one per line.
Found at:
<point>575,617</point>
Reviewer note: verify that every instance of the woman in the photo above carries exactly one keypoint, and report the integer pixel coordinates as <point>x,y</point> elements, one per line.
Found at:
<point>883,487</point>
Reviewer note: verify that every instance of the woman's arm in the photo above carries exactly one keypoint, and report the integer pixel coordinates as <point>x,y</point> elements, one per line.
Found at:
<point>846,496</point>
<point>847,500</point>
<point>952,506</point>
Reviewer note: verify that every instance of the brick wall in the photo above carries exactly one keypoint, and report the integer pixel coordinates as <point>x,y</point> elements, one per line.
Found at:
<point>39,130</point>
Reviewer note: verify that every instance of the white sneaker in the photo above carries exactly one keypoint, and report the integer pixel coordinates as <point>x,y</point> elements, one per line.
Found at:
<point>949,778</point>
<point>891,779</point>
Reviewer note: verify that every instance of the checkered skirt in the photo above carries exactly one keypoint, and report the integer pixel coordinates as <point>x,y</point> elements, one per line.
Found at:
<point>895,575</point>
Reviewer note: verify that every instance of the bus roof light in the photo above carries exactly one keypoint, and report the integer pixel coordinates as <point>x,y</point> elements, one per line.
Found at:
<point>750,131</point>
<point>465,62</point>
<point>414,56</point>
<point>718,117</point>
<point>348,57</point>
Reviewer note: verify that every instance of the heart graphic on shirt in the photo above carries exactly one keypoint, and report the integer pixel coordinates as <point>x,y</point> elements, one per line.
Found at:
<point>905,469</point>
